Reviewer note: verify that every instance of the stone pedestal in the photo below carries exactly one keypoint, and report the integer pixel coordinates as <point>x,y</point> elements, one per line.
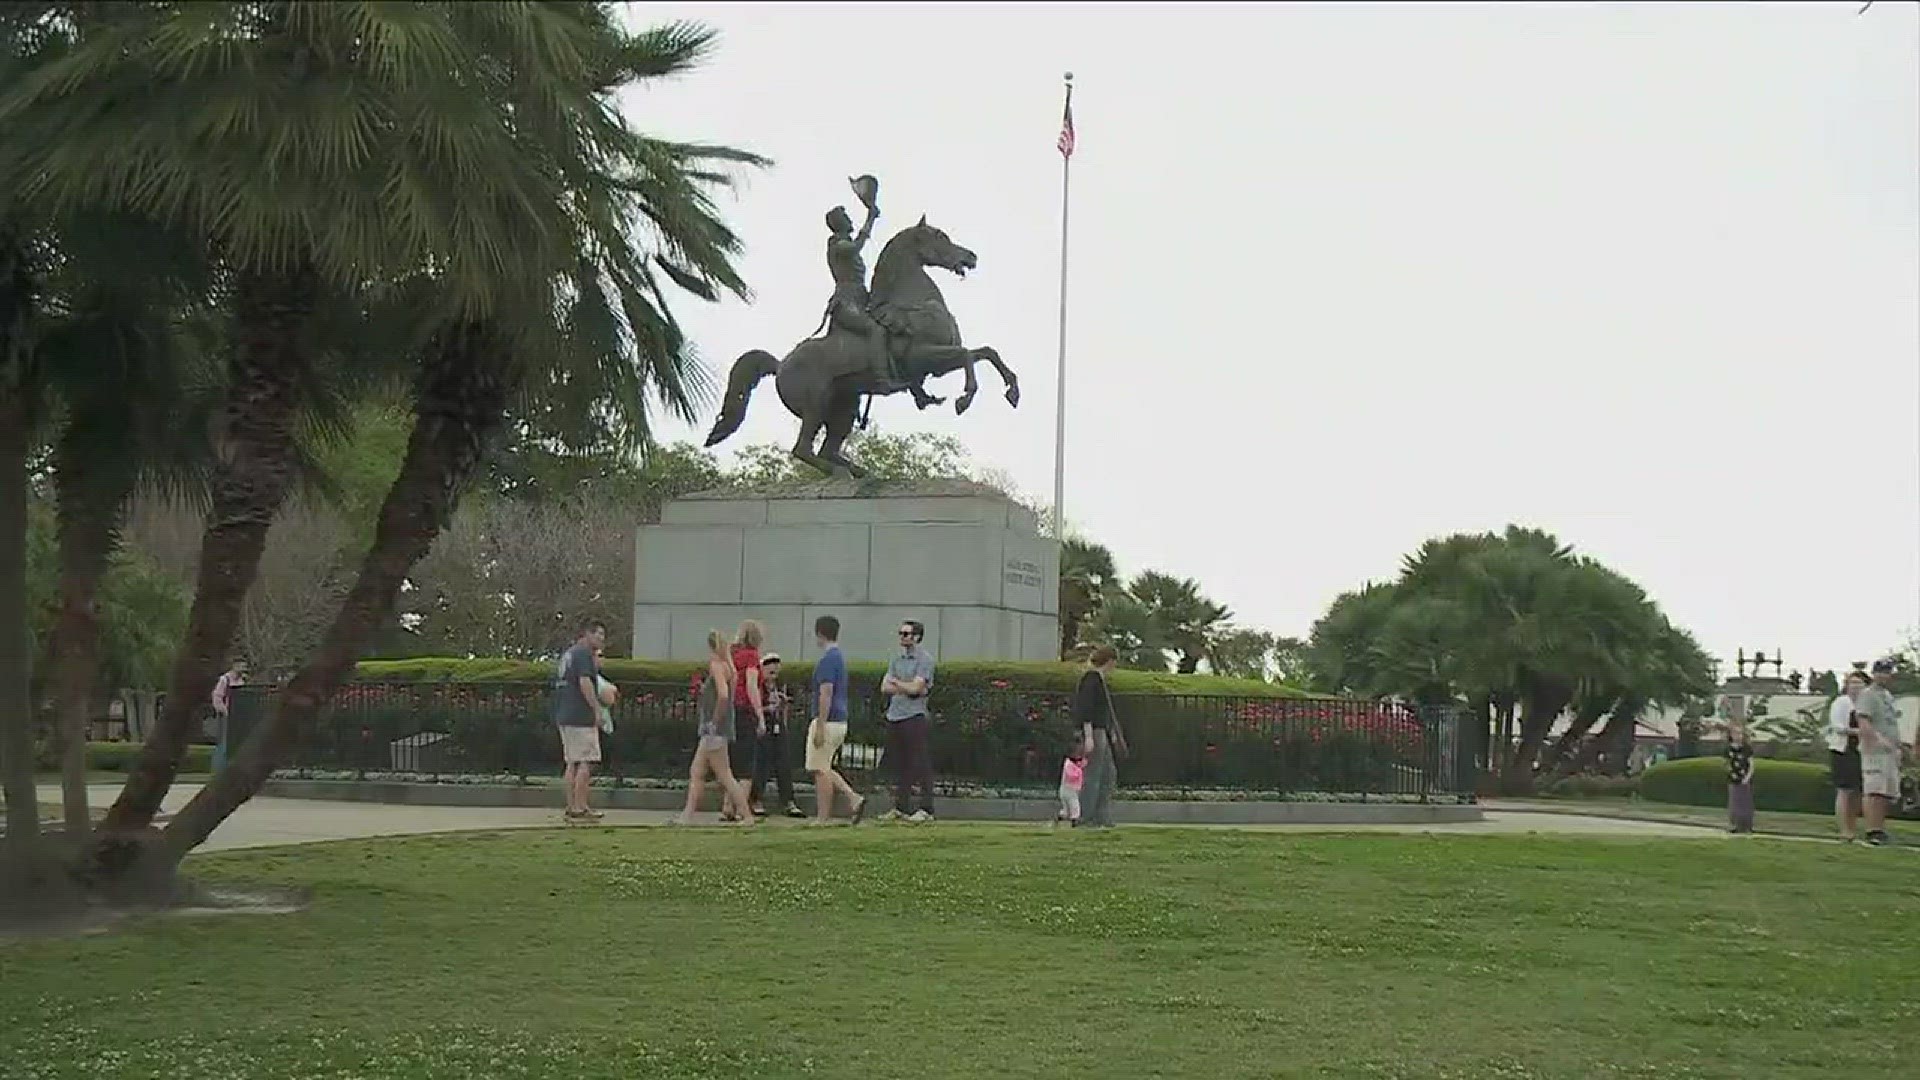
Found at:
<point>960,557</point>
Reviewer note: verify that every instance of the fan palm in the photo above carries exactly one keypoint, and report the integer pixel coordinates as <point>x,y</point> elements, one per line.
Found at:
<point>1185,621</point>
<point>339,156</point>
<point>594,311</point>
<point>1086,576</point>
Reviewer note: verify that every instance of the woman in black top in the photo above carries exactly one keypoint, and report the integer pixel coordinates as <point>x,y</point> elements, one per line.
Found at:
<point>1101,739</point>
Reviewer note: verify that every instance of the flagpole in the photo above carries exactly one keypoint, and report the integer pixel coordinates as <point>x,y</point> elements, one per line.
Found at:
<point>1060,379</point>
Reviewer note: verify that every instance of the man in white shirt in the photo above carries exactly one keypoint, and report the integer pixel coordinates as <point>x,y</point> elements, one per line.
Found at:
<point>1843,754</point>
<point>1877,719</point>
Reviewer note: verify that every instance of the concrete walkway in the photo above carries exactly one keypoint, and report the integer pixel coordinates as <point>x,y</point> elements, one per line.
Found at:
<point>273,822</point>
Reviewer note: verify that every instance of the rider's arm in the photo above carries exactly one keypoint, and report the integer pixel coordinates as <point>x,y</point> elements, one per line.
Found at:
<point>866,228</point>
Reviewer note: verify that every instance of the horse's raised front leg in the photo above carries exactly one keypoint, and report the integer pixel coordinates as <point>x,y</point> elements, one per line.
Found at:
<point>965,400</point>
<point>992,356</point>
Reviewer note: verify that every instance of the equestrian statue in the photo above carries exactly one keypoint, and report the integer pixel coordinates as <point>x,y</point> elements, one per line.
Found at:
<point>873,341</point>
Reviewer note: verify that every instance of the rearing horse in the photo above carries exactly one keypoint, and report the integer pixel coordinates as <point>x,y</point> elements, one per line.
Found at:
<point>822,380</point>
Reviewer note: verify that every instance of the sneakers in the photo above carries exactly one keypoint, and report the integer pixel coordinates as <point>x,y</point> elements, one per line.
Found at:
<point>859,811</point>
<point>1879,838</point>
<point>890,817</point>
<point>583,817</point>
<point>794,811</point>
<point>920,817</point>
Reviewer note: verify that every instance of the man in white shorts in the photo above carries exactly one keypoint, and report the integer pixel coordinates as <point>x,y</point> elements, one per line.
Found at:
<point>576,712</point>
<point>1879,725</point>
<point>829,727</point>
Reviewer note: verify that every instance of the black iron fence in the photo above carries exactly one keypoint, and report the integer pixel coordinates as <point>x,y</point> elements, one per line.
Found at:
<point>984,740</point>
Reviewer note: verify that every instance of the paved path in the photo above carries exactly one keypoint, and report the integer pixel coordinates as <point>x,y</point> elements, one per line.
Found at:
<point>272,822</point>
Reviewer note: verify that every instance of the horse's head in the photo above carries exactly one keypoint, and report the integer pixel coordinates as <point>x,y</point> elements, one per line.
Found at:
<point>932,247</point>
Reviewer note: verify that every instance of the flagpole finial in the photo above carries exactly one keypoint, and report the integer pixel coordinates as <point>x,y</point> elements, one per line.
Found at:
<point>1069,76</point>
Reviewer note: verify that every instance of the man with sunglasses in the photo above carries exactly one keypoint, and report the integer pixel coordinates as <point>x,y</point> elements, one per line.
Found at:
<point>908,680</point>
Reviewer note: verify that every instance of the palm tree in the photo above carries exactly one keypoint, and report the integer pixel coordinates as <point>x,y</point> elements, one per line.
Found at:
<point>1127,625</point>
<point>332,153</point>
<point>1086,576</point>
<point>124,344</point>
<point>593,309</point>
<point>1184,620</point>
<point>20,408</point>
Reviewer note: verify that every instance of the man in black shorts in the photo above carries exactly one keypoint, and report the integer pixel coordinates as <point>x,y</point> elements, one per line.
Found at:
<point>1843,755</point>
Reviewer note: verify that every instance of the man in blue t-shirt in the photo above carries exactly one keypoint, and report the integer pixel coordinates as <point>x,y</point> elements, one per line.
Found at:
<point>829,727</point>
<point>576,705</point>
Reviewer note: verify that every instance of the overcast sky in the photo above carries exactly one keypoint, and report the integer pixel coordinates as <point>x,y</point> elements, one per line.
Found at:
<point>1346,277</point>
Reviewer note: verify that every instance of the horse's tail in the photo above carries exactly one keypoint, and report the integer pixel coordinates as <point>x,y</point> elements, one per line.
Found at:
<point>753,365</point>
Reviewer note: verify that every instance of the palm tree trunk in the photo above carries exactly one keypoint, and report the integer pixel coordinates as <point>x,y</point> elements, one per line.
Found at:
<point>459,404</point>
<point>90,490</point>
<point>1616,740</point>
<point>1543,706</point>
<point>16,713</point>
<point>1584,718</point>
<point>272,352</point>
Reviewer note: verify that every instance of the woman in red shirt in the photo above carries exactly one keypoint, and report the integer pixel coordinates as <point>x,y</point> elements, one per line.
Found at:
<point>749,701</point>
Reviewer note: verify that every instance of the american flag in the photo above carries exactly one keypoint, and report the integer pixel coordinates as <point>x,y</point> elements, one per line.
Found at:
<point>1066,126</point>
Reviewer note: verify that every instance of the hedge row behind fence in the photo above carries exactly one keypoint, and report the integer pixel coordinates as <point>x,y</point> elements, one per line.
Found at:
<point>956,674</point>
<point>1777,785</point>
<point>981,738</point>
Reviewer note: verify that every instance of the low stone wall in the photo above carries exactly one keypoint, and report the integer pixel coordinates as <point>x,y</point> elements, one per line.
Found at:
<point>1133,811</point>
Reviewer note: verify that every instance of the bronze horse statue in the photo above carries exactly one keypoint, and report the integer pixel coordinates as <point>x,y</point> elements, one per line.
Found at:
<point>824,378</point>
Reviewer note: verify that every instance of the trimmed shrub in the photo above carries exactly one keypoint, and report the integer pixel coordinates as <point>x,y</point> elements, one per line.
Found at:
<point>955,674</point>
<point>120,756</point>
<point>1777,785</point>
<point>984,735</point>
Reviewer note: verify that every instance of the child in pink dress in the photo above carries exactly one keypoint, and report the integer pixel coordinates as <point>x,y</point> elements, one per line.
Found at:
<point>1071,774</point>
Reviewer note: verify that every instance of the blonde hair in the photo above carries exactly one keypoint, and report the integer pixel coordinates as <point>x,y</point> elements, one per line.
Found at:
<point>752,634</point>
<point>717,645</point>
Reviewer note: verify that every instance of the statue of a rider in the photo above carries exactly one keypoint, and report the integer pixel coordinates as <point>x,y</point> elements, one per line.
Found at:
<point>852,309</point>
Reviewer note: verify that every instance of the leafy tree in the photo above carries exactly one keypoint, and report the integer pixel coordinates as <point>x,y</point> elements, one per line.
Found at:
<point>916,455</point>
<point>1242,653</point>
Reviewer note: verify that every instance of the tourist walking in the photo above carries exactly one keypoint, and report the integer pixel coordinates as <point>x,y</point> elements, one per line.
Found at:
<point>1101,738</point>
<point>829,726</point>
<point>749,704</point>
<point>1843,755</point>
<point>576,713</point>
<point>908,681</point>
<point>1739,779</point>
<point>770,749</point>
<point>716,738</point>
<point>1879,729</point>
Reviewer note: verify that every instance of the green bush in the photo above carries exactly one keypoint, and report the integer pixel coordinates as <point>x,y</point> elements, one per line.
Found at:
<point>120,756</point>
<point>1777,785</point>
<point>957,674</point>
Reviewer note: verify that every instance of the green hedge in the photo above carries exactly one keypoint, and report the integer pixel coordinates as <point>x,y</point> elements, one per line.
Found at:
<point>1777,785</point>
<point>957,674</point>
<point>120,756</point>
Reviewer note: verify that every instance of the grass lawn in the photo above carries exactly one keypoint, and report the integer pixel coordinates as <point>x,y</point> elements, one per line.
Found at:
<point>983,951</point>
